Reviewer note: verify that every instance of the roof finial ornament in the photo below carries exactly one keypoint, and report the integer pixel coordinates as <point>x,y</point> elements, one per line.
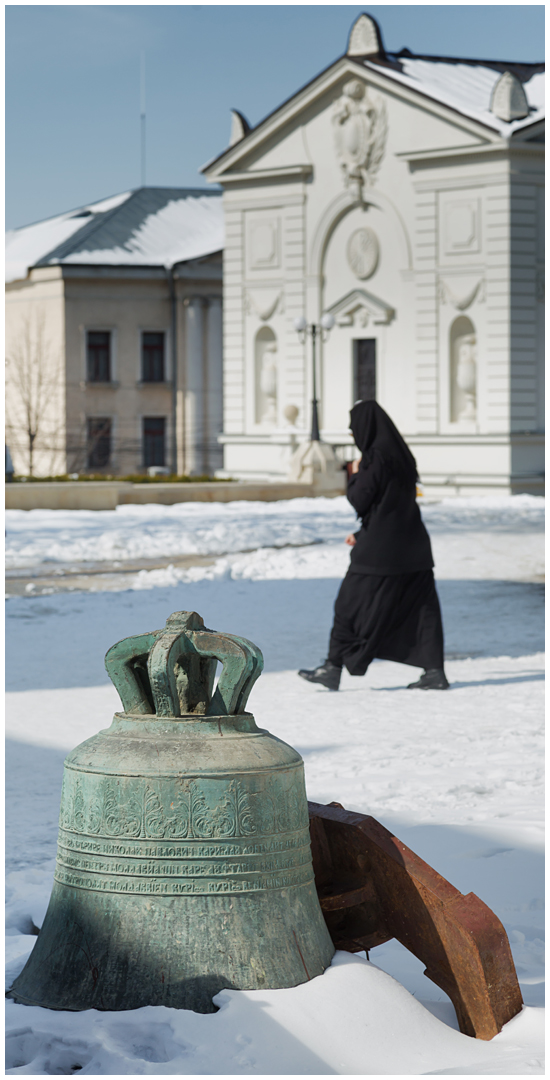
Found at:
<point>508,99</point>
<point>365,38</point>
<point>239,127</point>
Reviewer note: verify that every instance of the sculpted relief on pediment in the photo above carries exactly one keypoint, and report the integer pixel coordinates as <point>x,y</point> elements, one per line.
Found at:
<point>360,132</point>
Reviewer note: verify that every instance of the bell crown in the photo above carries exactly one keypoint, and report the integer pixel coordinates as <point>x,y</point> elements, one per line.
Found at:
<point>171,672</point>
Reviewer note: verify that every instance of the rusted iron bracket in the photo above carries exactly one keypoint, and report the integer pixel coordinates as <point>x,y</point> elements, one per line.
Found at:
<point>372,888</point>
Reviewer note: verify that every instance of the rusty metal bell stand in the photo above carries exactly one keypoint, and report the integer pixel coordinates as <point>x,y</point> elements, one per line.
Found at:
<point>184,861</point>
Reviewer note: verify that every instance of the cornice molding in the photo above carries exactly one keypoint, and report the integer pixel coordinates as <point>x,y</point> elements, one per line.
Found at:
<point>505,147</point>
<point>286,172</point>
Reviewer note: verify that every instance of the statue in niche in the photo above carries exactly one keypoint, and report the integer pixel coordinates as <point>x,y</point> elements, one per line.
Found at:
<point>463,371</point>
<point>466,376</point>
<point>266,377</point>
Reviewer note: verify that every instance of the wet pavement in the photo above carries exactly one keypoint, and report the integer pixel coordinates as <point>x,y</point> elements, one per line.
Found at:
<point>103,576</point>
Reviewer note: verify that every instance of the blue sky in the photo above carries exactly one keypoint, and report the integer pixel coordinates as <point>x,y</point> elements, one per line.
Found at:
<point>73,82</point>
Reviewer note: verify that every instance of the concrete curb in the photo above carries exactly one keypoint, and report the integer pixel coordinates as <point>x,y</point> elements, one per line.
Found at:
<point>108,494</point>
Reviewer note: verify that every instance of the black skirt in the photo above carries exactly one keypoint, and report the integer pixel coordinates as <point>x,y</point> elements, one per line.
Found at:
<point>394,617</point>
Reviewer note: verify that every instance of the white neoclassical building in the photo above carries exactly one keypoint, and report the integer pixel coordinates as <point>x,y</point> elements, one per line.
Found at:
<point>403,195</point>
<point>114,336</point>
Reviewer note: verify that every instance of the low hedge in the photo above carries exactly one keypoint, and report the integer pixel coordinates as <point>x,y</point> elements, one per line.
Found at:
<point>137,478</point>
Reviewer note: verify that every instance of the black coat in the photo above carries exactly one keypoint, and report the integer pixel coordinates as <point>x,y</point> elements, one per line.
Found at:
<point>392,538</point>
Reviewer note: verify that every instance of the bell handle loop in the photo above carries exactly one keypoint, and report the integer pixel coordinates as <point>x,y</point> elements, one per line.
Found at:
<point>242,663</point>
<point>237,665</point>
<point>173,691</point>
<point>257,668</point>
<point>126,666</point>
<point>162,674</point>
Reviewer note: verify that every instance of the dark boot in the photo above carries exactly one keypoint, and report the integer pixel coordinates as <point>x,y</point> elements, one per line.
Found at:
<point>432,679</point>
<point>327,674</point>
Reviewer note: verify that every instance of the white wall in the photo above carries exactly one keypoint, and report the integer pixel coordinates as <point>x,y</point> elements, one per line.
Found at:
<point>456,234</point>
<point>35,372</point>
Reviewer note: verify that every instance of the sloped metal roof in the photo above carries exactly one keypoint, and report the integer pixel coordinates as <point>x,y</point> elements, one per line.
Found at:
<point>464,85</point>
<point>150,226</point>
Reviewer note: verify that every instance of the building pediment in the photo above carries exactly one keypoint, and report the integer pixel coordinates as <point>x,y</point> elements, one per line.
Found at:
<point>238,157</point>
<point>359,308</point>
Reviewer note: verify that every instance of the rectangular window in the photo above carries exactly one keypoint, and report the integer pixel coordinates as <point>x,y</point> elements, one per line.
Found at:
<point>364,369</point>
<point>98,442</point>
<point>152,357</point>
<point>154,431</point>
<point>98,356</point>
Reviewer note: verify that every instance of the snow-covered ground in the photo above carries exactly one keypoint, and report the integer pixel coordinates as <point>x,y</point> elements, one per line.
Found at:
<point>456,776</point>
<point>132,532</point>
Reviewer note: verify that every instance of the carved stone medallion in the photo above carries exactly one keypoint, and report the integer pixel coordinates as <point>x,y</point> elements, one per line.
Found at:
<point>363,253</point>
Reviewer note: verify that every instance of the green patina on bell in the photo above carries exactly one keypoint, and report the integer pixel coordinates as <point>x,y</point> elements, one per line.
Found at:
<point>184,862</point>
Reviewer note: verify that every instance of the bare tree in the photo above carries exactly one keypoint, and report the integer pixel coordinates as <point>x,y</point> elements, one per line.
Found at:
<point>33,380</point>
<point>90,446</point>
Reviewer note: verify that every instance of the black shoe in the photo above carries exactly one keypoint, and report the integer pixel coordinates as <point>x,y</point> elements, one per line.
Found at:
<point>433,679</point>
<point>326,674</point>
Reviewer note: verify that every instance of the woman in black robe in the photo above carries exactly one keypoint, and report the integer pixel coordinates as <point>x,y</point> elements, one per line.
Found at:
<point>387,606</point>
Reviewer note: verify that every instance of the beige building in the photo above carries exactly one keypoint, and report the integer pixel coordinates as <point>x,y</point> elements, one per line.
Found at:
<point>114,337</point>
<point>402,195</point>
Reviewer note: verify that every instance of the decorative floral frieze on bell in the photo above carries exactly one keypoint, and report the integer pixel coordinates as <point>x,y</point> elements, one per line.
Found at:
<point>184,860</point>
<point>360,131</point>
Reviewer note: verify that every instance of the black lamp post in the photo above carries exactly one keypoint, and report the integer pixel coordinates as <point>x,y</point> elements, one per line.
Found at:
<point>322,330</point>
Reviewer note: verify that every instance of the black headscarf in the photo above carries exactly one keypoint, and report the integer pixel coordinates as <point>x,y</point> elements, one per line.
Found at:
<point>372,429</point>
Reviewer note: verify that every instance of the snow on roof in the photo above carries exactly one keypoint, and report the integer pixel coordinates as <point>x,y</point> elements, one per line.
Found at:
<point>183,229</point>
<point>108,204</point>
<point>150,226</point>
<point>26,245</point>
<point>465,86</point>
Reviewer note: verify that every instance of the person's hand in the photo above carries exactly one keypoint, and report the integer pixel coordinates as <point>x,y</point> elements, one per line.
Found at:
<point>350,540</point>
<point>355,466</point>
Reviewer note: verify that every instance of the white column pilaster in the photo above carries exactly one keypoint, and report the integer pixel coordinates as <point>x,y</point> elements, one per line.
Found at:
<point>194,388</point>
<point>214,390</point>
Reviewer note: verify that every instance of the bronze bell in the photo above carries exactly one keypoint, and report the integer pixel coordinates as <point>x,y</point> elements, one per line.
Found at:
<point>184,861</point>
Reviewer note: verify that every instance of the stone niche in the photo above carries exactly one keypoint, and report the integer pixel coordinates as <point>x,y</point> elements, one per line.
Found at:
<point>463,370</point>
<point>265,377</point>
